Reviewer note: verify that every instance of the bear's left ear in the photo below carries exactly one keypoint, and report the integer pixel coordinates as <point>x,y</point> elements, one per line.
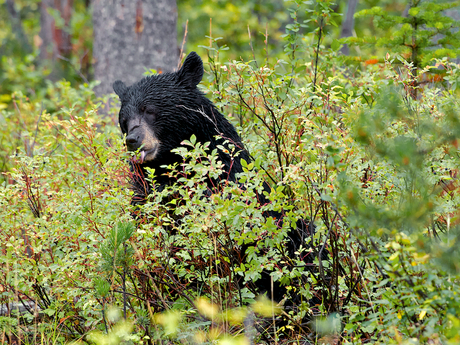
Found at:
<point>191,71</point>
<point>120,88</point>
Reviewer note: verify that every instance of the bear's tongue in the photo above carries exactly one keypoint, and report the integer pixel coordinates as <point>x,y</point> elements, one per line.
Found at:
<point>142,156</point>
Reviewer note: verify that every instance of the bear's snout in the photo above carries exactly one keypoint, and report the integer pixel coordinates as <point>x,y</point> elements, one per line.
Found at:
<point>133,142</point>
<point>141,137</point>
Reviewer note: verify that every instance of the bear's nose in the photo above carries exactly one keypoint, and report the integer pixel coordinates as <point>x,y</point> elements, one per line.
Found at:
<point>132,142</point>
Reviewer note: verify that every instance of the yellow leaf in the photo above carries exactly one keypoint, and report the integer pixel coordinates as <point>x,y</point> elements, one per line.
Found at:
<point>169,320</point>
<point>422,315</point>
<point>405,241</point>
<point>5,98</point>
<point>239,340</point>
<point>236,316</point>
<point>211,311</point>
<point>263,306</point>
<point>395,245</point>
<point>393,256</point>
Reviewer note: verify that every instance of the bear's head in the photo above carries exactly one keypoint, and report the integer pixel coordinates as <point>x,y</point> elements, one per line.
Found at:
<point>160,111</point>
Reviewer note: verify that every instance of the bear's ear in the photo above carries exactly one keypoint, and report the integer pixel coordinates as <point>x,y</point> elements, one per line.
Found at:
<point>191,71</point>
<point>120,88</point>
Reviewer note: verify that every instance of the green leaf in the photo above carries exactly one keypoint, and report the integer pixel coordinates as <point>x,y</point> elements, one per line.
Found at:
<point>335,45</point>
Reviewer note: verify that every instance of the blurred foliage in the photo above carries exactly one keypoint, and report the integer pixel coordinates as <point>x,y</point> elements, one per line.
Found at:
<point>422,33</point>
<point>239,25</point>
<point>235,22</point>
<point>350,147</point>
<point>21,69</point>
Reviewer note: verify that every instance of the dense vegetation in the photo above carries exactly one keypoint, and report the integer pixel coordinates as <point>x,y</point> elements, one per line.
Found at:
<point>365,148</point>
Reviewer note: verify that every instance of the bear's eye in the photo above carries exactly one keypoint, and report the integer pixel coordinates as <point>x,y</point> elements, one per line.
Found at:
<point>149,110</point>
<point>145,109</point>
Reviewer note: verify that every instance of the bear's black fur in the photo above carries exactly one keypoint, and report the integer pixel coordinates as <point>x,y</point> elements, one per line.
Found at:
<point>160,111</point>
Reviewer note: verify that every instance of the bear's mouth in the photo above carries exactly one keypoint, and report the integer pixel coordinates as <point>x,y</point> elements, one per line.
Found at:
<point>147,155</point>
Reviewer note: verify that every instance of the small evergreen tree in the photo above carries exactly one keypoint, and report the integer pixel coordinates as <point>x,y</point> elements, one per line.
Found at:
<point>117,256</point>
<point>423,32</point>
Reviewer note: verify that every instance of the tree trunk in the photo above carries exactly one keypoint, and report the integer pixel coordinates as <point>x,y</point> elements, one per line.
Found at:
<point>56,47</point>
<point>17,28</point>
<point>348,24</point>
<point>131,36</point>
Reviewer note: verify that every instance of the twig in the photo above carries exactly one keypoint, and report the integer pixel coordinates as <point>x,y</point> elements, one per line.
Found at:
<point>266,42</point>
<point>181,52</point>
<point>82,76</point>
<point>252,48</point>
<point>317,58</point>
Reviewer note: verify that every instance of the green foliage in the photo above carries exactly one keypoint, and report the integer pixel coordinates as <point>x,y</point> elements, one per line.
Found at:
<point>408,208</point>
<point>115,250</point>
<point>22,70</point>
<point>22,126</point>
<point>63,195</point>
<point>421,35</point>
<point>235,23</point>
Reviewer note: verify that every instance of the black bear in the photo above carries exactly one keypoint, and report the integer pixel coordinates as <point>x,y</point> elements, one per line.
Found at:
<point>160,111</point>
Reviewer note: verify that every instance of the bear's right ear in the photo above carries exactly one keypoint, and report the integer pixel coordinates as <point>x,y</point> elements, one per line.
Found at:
<point>120,88</point>
<point>191,71</point>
